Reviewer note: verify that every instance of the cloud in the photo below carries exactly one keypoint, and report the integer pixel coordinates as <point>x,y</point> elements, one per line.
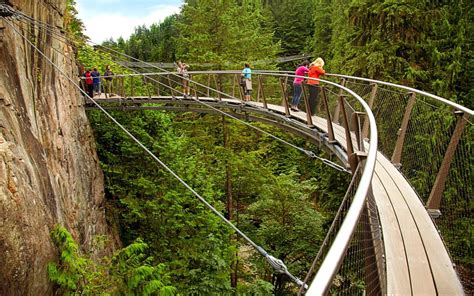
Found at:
<point>102,25</point>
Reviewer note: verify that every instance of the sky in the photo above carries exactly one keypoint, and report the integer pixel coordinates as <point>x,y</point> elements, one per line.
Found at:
<point>104,19</point>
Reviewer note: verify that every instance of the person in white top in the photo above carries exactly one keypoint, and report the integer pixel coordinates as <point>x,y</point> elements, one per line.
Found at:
<point>183,72</point>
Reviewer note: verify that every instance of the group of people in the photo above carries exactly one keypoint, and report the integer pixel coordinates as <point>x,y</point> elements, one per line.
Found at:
<point>92,81</point>
<point>309,72</point>
<point>313,72</point>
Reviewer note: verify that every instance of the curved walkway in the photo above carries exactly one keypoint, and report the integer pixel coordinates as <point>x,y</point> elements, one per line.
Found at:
<point>416,260</point>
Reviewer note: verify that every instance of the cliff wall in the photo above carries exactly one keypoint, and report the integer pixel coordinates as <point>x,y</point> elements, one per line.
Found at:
<point>49,170</point>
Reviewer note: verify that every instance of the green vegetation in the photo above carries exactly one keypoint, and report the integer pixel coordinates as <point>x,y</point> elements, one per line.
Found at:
<point>276,195</point>
<point>127,272</point>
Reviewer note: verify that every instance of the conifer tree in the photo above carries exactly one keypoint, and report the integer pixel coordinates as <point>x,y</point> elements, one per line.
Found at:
<point>224,33</point>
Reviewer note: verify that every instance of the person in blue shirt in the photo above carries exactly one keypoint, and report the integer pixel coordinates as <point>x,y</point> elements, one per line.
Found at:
<point>96,81</point>
<point>247,81</point>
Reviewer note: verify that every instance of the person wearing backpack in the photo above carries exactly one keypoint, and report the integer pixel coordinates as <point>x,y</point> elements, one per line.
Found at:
<point>89,83</point>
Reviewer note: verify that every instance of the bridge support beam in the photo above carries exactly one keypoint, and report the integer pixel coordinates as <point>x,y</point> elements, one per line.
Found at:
<point>328,115</point>
<point>397,152</point>
<point>434,200</point>
<point>261,91</point>
<point>284,95</point>
<point>373,93</point>
<point>337,110</point>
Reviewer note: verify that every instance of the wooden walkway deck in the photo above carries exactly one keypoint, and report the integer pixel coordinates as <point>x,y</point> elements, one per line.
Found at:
<point>416,259</point>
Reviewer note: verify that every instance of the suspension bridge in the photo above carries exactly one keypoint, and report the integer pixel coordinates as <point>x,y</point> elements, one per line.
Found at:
<point>407,151</point>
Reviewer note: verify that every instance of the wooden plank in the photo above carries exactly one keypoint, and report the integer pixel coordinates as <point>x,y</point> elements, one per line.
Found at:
<point>443,273</point>
<point>417,259</point>
<point>398,280</point>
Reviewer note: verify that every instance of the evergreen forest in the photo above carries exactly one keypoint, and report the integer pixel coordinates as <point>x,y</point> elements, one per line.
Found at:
<point>280,198</point>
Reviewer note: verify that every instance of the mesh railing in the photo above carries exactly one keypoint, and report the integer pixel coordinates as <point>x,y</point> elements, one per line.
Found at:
<point>431,140</point>
<point>362,270</point>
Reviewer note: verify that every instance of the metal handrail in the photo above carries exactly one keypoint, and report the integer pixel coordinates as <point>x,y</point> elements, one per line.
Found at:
<point>410,89</point>
<point>440,99</point>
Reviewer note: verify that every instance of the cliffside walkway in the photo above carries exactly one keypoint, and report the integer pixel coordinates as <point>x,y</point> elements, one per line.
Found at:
<point>408,152</point>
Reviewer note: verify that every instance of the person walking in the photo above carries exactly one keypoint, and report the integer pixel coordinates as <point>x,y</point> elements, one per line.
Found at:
<point>96,82</point>
<point>297,84</point>
<point>247,79</point>
<point>315,71</point>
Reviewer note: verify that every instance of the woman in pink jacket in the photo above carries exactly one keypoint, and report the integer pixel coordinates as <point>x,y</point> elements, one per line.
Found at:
<point>297,87</point>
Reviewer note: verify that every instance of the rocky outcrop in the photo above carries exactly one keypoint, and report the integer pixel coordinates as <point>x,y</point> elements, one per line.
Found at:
<point>49,170</point>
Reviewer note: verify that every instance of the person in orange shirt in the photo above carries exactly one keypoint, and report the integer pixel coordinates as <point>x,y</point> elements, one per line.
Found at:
<point>315,70</point>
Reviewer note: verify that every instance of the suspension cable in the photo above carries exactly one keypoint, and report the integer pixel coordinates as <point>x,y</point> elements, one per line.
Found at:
<point>277,264</point>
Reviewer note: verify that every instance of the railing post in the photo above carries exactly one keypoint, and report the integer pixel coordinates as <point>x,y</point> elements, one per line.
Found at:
<point>328,114</point>
<point>309,118</point>
<point>195,87</point>
<point>260,82</point>
<point>356,127</point>
<point>122,84</point>
<point>352,157</point>
<point>234,83</point>
<point>157,85</point>
<point>434,200</point>
<point>284,95</point>
<point>241,91</point>
<point>373,93</point>
<point>147,87</point>
<point>208,85</point>
<point>171,86</point>
<point>338,107</point>
<point>259,86</point>
<point>217,84</point>
<point>397,152</point>
<point>131,86</point>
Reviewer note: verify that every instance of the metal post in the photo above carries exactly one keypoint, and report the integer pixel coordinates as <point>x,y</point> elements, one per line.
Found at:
<point>356,127</point>
<point>234,83</point>
<point>373,93</point>
<point>260,81</point>
<point>328,114</point>
<point>171,86</point>
<point>434,200</point>
<point>147,87</point>
<point>259,86</point>
<point>284,96</point>
<point>309,118</point>
<point>397,152</point>
<point>208,85</point>
<point>157,85</point>
<point>338,107</point>
<point>352,158</point>
<point>195,87</point>
<point>122,84</point>
<point>241,91</point>
<point>219,86</point>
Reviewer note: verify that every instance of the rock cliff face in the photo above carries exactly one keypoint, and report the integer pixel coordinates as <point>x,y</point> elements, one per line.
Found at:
<point>49,170</point>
